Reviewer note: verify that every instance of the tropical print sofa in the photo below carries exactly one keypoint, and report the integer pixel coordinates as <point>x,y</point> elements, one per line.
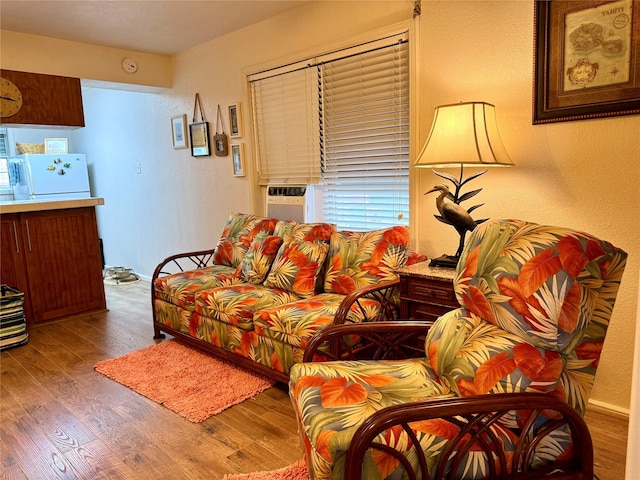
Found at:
<point>269,286</point>
<point>535,307</point>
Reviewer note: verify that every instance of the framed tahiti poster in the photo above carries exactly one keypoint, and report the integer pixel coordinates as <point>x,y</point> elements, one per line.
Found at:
<point>587,60</point>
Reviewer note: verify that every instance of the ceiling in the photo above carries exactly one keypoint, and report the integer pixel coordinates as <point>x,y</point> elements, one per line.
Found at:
<point>163,27</point>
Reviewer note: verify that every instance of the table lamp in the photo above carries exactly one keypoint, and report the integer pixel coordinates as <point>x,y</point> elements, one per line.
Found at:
<point>465,135</point>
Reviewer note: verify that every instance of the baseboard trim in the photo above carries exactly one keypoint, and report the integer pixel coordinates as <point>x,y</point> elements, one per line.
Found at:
<point>608,409</point>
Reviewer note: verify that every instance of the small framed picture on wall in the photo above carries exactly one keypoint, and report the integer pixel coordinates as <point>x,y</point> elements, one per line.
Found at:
<point>179,131</point>
<point>199,134</point>
<point>235,120</point>
<point>237,154</point>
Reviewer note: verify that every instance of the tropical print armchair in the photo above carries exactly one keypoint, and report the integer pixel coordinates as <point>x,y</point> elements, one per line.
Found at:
<point>502,383</point>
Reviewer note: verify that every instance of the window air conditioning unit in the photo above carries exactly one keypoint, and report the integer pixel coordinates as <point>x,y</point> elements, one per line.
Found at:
<point>288,202</point>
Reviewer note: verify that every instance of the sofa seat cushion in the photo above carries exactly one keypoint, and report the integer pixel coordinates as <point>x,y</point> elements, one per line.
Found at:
<point>180,288</point>
<point>236,304</point>
<point>333,398</point>
<point>296,322</point>
<point>224,335</point>
<point>361,259</point>
<point>173,316</point>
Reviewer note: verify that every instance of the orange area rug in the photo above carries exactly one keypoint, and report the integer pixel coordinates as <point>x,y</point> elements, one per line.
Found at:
<point>186,381</point>
<point>297,471</point>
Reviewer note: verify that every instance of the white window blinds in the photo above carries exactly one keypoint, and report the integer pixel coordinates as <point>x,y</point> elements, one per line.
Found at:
<point>365,140</point>
<point>341,121</point>
<point>285,109</point>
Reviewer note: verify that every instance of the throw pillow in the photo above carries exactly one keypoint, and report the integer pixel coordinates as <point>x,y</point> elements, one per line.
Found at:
<point>360,259</point>
<point>237,235</point>
<point>259,258</point>
<point>307,232</point>
<point>297,266</point>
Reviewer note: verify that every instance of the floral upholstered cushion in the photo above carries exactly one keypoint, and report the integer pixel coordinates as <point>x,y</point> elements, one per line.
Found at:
<point>180,288</point>
<point>237,235</point>
<point>504,363</point>
<point>257,262</point>
<point>541,283</point>
<point>360,259</point>
<point>332,399</point>
<point>237,304</point>
<point>295,323</point>
<point>297,266</point>
<point>307,232</point>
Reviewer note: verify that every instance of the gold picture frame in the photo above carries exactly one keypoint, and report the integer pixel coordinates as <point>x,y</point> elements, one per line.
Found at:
<point>586,60</point>
<point>179,135</point>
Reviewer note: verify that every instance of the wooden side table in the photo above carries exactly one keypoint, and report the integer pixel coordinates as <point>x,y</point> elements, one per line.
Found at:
<point>426,292</point>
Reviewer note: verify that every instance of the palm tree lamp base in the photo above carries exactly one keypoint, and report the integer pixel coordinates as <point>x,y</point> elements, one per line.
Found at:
<point>444,261</point>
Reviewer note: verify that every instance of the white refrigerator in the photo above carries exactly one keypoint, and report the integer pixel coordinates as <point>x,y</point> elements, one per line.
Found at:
<point>51,177</point>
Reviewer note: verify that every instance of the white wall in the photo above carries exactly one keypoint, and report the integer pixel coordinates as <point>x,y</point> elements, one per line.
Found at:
<point>581,174</point>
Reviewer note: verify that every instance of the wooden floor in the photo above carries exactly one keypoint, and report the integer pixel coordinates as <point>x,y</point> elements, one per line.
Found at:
<point>61,419</point>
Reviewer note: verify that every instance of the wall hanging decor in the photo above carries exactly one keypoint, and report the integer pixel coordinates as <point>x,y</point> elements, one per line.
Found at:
<point>179,131</point>
<point>237,153</point>
<point>220,140</point>
<point>587,60</point>
<point>199,132</point>
<point>235,120</point>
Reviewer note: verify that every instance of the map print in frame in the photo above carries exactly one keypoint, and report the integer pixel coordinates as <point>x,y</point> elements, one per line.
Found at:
<point>597,46</point>
<point>586,59</point>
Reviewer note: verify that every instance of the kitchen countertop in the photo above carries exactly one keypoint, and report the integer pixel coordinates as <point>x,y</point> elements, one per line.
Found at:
<point>22,206</point>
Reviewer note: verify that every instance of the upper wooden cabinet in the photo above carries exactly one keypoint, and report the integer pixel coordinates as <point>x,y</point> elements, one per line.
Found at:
<point>46,100</point>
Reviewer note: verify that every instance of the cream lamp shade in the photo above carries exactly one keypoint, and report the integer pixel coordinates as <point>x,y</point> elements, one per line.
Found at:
<point>464,134</point>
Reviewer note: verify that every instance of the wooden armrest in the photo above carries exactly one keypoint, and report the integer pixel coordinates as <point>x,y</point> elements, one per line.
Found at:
<point>184,261</point>
<point>378,340</point>
<point>383,292</point>
<point>473,416</point>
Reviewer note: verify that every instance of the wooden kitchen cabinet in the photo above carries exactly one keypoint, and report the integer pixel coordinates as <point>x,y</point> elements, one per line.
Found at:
<point>426,292</point>
<point>54,257</point>
<point>12,271</point>
<point>47,100</point>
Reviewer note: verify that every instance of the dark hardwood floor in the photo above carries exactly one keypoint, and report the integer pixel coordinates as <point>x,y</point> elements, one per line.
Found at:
<point>61,419</point>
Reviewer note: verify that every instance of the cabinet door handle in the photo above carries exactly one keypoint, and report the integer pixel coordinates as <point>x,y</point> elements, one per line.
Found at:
<point>15,237</point>
<point>26,222</point>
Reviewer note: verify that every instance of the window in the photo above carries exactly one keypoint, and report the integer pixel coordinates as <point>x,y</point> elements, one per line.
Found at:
<point>285,110</point>
<point>365,146</point>
<point>341,120</point>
